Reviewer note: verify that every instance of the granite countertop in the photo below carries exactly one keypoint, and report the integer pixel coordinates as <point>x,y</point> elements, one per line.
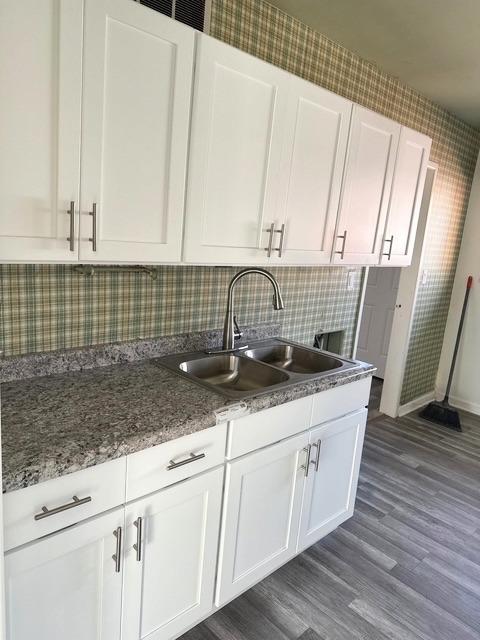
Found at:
<point>57,424</point>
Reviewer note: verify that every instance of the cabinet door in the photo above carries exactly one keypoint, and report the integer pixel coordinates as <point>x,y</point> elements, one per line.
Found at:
<point>136,108</point>
<point>316,135</point>
<point>66,585</point>
<point>331,485</point>
<point>372,149</point>
<point>263,494</point>
<point>169,586</point>
<point>406,197</point>
<point>40,105</point>
<point>235,153</point>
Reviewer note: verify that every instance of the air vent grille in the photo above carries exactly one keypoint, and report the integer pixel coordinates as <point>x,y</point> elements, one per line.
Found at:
<point>190,12</point>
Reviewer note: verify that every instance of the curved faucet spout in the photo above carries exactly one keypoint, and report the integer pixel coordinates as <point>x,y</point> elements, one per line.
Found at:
<point>229,327</point>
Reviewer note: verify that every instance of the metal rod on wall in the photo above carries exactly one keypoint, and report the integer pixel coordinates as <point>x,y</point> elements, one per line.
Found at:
<point>90,270</point>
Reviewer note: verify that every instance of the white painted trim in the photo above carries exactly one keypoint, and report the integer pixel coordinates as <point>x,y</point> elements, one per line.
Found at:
<point>403,318</point>
<point>360,311</point>
<point>418,403</point>
<point>207,14</point>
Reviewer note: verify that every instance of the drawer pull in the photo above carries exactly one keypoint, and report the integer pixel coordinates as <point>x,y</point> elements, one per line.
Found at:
<point>76,502</point>
<point>117,556</point>
<point>318,447</point>
<point>138,545</point>
<point>306,466</point>
<point>193,457</point>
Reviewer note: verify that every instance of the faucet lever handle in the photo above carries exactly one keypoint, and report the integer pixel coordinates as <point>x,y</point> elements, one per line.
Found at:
<point>238,334</point>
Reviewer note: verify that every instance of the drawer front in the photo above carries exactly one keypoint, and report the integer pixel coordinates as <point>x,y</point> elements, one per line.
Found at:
<point>337,402</point>
<point>167,463</point>
<point>52,505</point>
<point>269,426</point>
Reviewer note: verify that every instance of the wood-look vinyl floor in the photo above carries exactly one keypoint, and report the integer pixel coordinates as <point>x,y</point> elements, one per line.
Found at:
<point>405,567</point>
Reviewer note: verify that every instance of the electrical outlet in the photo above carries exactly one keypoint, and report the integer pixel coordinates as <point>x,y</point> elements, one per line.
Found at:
<point>351,281</point>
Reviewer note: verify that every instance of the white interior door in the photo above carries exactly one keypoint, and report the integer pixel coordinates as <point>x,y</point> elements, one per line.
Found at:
<point>372,150</point>
<point>377,318</point>
<point>331,485</point>
<point>136,108</point>
<point>261,515</point>
<point>316,135</point>
<point>66,585</point>
<point>406,198</point>
<point>170,585</point>
<point>40,107</point>
<point>235,153</point>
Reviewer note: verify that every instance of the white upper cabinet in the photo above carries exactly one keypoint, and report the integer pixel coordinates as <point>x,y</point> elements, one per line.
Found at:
<point>138,68</point>
<point>316,135</point>
<point>366,189</point>
<point>40,98</point>
<point>406,197</point>
<point>235,154</point>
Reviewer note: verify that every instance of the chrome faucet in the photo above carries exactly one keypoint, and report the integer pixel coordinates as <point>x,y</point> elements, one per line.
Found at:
<point>230,329</point>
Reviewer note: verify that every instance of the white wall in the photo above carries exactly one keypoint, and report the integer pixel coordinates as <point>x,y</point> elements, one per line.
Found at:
<point>465,391</point>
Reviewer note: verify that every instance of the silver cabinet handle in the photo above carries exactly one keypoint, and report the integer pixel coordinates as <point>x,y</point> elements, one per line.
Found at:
<point>71,237</point>
<point>318,447</point>
<point>306,466</point>
<point>117,556</point>
<point>389,252</point>
<point>281,231</point>
<point>271,231</point>
<point>138,545</point>
<point>344,240</point>
<point>193,458</point>
<point>76,502</point>
<point>93,239</point>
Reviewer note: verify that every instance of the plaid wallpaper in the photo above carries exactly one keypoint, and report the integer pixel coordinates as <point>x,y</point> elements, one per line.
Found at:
<point>268,33</point>
<point>46,307</point>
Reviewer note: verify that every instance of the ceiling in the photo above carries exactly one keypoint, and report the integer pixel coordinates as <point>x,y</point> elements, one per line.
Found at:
<point>431,45</point>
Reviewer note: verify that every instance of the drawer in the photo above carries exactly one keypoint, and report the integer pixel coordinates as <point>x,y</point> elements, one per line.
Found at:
<point>46,507</point>
<point>167,463</point>
<point>269,426</point>
<point>337,402</point>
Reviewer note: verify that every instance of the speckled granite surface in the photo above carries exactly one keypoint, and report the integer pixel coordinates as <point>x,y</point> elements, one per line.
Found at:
<point>58,424</point>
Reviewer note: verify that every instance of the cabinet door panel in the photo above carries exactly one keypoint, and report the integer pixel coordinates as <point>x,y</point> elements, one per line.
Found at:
<point>172,586</point>
<point>40,104</point>
<point>235,152</point>
<point>331,486</point>
<point>138,75</point>
<point>261,515</point>
<point>314,156</point>
<point>366,188</point>
<point>65,585</point>
<point>406,198</point>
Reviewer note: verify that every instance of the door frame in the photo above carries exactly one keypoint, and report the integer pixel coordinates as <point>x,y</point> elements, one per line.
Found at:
<point>410,281</point>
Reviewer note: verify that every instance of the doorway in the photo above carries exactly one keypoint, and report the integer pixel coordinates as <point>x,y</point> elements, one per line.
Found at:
<point>386,315</point>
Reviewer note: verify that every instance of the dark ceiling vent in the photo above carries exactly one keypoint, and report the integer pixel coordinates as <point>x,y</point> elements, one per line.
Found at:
<point>190,12</point>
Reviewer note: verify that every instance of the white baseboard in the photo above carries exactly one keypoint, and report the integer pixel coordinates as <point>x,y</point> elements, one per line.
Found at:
<point>461,403</point>
<point>418,403</point>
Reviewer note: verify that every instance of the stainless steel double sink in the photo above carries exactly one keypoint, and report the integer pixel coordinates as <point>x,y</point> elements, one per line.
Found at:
<point>267,365</point>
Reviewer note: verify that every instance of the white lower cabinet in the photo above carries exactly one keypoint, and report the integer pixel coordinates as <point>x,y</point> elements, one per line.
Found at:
<point>67,585</point>
<point>331,483</point>
<point>263,496</point>
<point>170,558</point>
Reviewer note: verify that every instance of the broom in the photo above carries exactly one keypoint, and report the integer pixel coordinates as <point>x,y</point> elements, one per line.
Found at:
<point>442,412</point>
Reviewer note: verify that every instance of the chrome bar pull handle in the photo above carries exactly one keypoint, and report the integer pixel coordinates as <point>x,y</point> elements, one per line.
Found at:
<point>76,502</point>
<point>93,239</point>
<point>306,466</point>
<point>341,253</point>
<point>117,556</point>
<point>318,447</point>
<point>389,252</point>
<point>71,237</point>
<point>193,458</point>
<point>138,545</point>
<point>271,231</point>
<point>281,231</point>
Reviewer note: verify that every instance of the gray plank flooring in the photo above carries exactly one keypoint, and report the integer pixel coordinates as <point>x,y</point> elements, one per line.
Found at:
<point>405,567</point>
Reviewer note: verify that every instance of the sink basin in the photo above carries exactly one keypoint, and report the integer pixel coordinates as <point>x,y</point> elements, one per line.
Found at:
<point>294,358</point>
<point>233,373</point>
